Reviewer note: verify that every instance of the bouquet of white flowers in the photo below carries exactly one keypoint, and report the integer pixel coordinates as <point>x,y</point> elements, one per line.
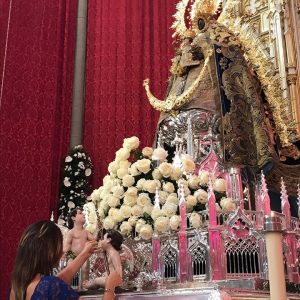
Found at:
<point>126,200</point>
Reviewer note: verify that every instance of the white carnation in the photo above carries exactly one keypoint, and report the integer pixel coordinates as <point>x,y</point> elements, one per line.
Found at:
<point>165,169</point>
<point>176,174</point>
<point>147,152</point>
<point>122,172</point>
<point>148,209</point>
<point>131,143</point>
<point>191,201</point>
<point>143,165</point>
<point>130,200</point>
<point>169,209</point>
<point>203,177</point>
<point>113,167</point>
<point>194,182</point>
<point>117,191</point>
<point>128,180</point>
<point>159,154</point>
<point>172,198</point>
<point>137,210</point>
<point>140,184</point>
<point>95,196</point>
<point>169,187</point>
<point>133,170</point>
<point>122,154</point>
<point>113,201</point>
<point>156,212</point>
<point>125,211</point>
<point>143,199</point>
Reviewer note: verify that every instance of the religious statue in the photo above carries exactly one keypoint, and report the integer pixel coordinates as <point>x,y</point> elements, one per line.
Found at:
<point>218,99</point>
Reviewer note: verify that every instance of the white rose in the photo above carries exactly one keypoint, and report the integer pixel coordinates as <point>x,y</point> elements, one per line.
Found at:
<point>131,143</point>
<point>162,224</point>
<point>156,174</point>
<point>118,191</point>
<point>132,220</point>
<point>169,187</point>
<point>139,225</point>
<point>132,191</point>
<point>128,180</point>
<point>143,199</point>
<point>125,228</point>
<point>227,204</point>
<point>151,185</point>
<point>203,177</point>
<point>169,209</point>
<point>88,172</point>
<point>68,159</point>
<point>113,167</point>
<point>137,210</point>
<point>148,209</point>
<point>146,232</point>
<point>195,220</point>
<point>133,170</point>
<point>95,196</point>
<point>159,154</point>
<point>124,164</point>
<point>125,211</point>
<point>113,201</point>
<point>176,174</point>
<point>122,154</point>
<point>201,196</point>
<point>140,184</point>
<point>104,205</point>
<point>165,169</point>
<point>188,165</point>
<point>122,172</point>
<point>194,182</point>
<point>130,200</point>
<point>117,216</point>
<point>219,185</point>
<point>172,198</point>
<point>108,223</point>
<point>156,212</point>
<point>101,212</point>
<point>191,201</point>
<point>163,196</point>
<point>147,152</point>
<point>175,222</point>
<point>143,165</point>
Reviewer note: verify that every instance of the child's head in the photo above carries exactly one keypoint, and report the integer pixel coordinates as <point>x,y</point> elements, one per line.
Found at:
<point>115,238</point>
<point>75,216</point>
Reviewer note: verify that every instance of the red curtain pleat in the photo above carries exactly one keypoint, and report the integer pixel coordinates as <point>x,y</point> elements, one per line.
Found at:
<point>128,41</point>
<point>34,115</point>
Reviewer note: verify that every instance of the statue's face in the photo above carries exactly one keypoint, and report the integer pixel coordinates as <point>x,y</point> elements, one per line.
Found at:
<point>201,24</point>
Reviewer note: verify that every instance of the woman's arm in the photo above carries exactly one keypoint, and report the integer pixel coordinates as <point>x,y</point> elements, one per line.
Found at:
<point>70,270</point>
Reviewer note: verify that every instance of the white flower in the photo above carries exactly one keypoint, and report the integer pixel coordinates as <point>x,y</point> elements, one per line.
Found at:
<point>147,152</point>
<point>165,169</point>
<point>227,204</point>
<point>201,196</point>
<point>156,212</point>
<point>203,177</point>
<point>95,196</point>
<point>194,182</point>
<point>67,182</point>
<point>125,228</point>
<point>117,216</point>
<point>132,220</point>
<point>125,211</point>
<point>88,172</point>
<point>131,143</point>
<point>175,222</point>
<point>140,184</point>
<point>130,200</point>
<point>132,191</point>
<point>176,174</point>
<point>128,180</point>
<point>156,174</point>
<point>91,227</point>
<point>148,209</point>
<point>195,220</point>
<point>146,232</point>
<point>124,164</point>
<point>188,165</point>
<point>71,204</point>
<point>117,191</point>
<point>113,201</point>
<point>133,170</point>
<point>163,197</point>
<point>172,198</point>
<point>191,201</point>
<point>139,225</point>
<point>143,165</point>
<point>151,185</point>
<point>113,167</point>
<point>143,199</point>
<point>122,154</point>
<point>162,224</point>
<point>108,223</point>
<point>137,210</point>
<point>219,185</point>
<point>68,159</point>
<point>159,154</point>
<point>169,209</point>
<point>122,172</point>
<point>169,187</point>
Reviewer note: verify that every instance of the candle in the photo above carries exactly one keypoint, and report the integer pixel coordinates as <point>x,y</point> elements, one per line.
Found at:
<point>273,236</point>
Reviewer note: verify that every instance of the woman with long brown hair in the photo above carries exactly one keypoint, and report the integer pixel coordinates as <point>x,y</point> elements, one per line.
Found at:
<point>39,251</point>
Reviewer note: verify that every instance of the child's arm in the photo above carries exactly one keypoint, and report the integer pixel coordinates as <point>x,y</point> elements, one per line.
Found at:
<point>116,262</point>
<point>68,242</point>
<point>91,237</point>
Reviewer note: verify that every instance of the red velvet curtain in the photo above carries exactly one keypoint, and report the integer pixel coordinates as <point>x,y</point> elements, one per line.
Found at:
<point>34,114</point>
<point>128,41</point>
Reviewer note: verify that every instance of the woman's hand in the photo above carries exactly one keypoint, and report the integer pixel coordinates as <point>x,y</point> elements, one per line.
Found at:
<point>90,247</point>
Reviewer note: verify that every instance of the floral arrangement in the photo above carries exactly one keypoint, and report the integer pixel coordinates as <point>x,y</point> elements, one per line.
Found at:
<point>75,187</point>
<point>126,200</point>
